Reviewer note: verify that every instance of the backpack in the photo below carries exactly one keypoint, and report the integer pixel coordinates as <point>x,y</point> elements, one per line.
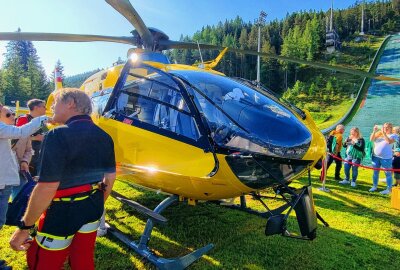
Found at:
<point>331,143</point>
<point>17,207</point>
<point>364,153</point>
<point>27,116</point>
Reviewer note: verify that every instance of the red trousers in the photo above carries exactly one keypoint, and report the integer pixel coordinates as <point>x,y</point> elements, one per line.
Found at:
<point>67,230</point>
<point>80,253</point>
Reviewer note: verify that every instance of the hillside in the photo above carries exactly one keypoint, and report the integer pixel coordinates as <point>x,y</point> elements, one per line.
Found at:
<point>302,35</point>
<point>78,79</point>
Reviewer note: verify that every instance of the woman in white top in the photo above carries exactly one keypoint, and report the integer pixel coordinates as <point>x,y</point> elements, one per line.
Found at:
<point>8,162</point>
<point>382,155</point>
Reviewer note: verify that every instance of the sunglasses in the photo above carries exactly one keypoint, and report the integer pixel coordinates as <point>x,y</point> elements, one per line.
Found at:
<point>8,115</point>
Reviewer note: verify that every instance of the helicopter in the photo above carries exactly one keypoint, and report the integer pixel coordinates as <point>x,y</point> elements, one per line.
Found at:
<point>197,135</point>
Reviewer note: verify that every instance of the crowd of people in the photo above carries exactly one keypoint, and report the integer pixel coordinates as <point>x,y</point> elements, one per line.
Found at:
<point>385,155</point>
<point>75,165</point>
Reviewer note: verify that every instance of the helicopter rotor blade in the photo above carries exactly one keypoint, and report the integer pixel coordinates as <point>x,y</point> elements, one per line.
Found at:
<point>63,37</point>
<point>125,8</point>
<point>169,44</point>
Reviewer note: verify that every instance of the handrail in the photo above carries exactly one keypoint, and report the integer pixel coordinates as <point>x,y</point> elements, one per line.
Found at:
<point>362,93</point>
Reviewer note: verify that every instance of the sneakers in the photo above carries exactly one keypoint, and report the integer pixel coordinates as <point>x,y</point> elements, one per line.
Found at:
<point>344,182</point>
<point>101,232</point>
<point>338,178</point>
<point>385,192</point>
<point>353,184</point>
<point>374,188</point>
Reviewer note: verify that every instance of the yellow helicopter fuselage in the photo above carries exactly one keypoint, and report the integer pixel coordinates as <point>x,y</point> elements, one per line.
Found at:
<point>161,163</point>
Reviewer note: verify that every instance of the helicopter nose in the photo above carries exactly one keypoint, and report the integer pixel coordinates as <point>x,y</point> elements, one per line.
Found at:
<point>283,134</point>
<point>291,146</point>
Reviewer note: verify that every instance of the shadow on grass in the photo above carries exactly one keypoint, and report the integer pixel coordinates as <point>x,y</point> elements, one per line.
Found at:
<point>340,191</point>
<point>109,256</point>
<point>240,242</point>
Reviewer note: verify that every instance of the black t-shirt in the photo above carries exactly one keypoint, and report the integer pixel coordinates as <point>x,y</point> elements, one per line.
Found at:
<point>77,153</point>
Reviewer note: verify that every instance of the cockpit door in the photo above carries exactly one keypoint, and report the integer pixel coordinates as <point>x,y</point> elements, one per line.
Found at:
<point>155,125</point>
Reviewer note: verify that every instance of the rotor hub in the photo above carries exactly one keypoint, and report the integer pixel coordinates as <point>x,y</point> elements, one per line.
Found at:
<point>157,36</point>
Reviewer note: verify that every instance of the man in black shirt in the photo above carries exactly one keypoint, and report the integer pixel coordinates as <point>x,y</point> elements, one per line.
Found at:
<point>77,173</point>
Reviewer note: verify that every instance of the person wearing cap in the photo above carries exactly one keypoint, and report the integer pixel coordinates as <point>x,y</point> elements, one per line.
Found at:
<point>9,166</point>
<point>76,175</point>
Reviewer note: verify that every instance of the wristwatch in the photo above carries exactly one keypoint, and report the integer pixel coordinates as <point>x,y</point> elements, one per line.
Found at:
<point>21,225</point>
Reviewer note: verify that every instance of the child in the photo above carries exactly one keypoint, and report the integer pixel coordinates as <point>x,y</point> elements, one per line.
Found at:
<point>396,165</point>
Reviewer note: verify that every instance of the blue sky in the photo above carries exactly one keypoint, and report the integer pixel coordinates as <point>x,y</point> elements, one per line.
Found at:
<point>174,17</point>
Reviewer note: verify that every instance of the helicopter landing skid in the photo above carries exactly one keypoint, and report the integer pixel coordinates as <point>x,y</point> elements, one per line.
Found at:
<point>142,248</point>
<point>300,202</point>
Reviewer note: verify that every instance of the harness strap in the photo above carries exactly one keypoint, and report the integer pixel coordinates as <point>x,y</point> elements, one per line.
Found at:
<point>90,227</point>
<point>54,243</point>
<point>79,189</point>
<point>80,197</point>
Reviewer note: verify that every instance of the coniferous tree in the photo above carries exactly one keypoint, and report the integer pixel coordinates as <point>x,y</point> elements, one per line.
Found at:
<point>23,76</point>
<point>15,86</point>
<point>311,38</point>
<point>396,6</point>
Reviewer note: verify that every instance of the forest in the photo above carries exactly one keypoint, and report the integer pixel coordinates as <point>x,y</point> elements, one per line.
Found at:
<point>300,34</point>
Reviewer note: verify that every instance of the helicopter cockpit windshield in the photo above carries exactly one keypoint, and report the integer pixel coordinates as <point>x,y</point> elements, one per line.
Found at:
<point>244,118</point>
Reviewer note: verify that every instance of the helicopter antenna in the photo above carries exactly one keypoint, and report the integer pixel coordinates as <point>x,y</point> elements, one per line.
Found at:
<point>201,57</point>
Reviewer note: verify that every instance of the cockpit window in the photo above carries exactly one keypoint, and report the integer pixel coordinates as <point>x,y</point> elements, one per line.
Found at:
<point>155,99</point>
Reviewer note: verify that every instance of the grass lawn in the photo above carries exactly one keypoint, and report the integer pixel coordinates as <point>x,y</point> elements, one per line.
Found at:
<point>364,233</point>
<point>332,114</point>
